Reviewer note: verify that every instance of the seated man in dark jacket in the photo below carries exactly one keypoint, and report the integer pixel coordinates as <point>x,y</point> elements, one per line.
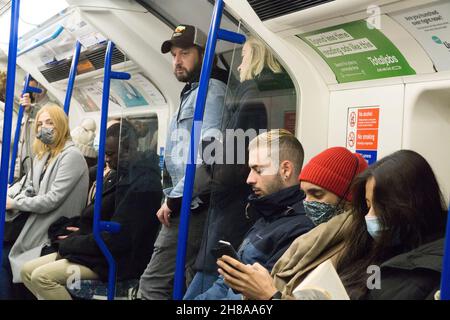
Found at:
<point>131,191</point>
<point>275,161</point>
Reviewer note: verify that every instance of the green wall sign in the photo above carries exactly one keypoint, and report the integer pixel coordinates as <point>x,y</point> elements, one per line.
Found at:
<point>355,52</point>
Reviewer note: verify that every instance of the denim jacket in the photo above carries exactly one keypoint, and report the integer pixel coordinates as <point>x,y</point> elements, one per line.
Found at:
<point>178,137</point>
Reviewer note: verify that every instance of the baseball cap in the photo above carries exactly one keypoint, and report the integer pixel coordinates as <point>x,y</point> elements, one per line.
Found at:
<point>185,36</point>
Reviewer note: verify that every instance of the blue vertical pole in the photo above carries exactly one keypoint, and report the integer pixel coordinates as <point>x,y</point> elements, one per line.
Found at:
<point>26,89</point>
<point>72,75</point>
<point>445,280</point>
<point>214,33</point>
<point>15,144</point>
<point>109,226</point>
<point>7,120</point>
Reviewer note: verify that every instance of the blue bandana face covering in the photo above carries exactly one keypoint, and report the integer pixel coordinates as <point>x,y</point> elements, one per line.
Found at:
<point>45,135</point>
<point>319,212</point>
<point>373,226</point>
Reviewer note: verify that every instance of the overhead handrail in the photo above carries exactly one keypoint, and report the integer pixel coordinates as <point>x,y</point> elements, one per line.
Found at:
<point>109,226</point>
<point>72,75</point>
<point>26,89</point>
<point>445,279</point>
<point>7,120</point>
<point>214,34</point>
<point>39,43</point>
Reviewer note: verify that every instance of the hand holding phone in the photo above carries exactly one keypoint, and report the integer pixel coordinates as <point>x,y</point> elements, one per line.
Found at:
<point>224,248</point>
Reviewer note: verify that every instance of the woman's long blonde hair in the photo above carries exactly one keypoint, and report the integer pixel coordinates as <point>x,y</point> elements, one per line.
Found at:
<point>260,57</point>
<point>61,131</point>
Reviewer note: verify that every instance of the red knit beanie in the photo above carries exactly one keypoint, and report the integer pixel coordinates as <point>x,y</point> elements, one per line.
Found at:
<point>334,170</point>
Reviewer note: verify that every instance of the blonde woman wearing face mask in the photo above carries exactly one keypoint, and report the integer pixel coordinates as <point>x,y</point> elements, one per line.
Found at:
<point>56,186</point>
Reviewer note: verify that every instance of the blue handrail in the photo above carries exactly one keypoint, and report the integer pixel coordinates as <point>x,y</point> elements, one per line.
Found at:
<point>39,43</point>
<point>26,89</point>
<point>108,226</point>
<point>445,279</point>
<point>7,120</point>
<point>214,34</point>
<point>72,75</point>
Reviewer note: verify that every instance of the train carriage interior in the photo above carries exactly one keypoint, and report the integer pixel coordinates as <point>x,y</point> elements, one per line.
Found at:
<point>371,76</point>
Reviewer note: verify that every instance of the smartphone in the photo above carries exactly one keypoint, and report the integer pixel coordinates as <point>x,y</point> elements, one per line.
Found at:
<point>224,248</point>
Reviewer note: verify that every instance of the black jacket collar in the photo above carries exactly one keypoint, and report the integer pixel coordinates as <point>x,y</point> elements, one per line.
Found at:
<point>216,73</point>
<point>285,201</point>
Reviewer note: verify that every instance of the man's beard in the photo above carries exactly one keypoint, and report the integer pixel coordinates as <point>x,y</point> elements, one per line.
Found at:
<point>275,186</point>
<point>189,76</point>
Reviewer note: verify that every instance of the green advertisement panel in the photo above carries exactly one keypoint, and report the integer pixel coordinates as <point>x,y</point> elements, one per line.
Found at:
<point>356,52</point>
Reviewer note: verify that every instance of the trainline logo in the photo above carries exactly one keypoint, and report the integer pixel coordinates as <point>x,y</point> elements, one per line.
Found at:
<point>439,41</point>
<point>383,60</point>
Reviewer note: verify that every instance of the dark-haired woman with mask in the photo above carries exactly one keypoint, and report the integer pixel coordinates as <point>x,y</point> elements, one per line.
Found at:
<point>55,186</point>
<point>397,230</point>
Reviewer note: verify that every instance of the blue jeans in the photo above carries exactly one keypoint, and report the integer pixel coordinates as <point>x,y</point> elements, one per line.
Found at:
<point>202,282</point>
<point>6,285</point>
<point>156,283</point>
<point>219,291</point>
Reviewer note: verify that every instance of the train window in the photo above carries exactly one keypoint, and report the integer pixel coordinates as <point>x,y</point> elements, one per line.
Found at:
<point>266,76</point>
<point>146,132</point>
<point>260,97</point>
<point>138,141</point>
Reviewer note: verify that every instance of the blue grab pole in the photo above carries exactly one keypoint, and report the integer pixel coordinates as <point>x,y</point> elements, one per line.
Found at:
<point>26,89</point>
<point>108,226</point>
<point>41,42</point>
<point>72,75</point>
<point>214,34</point>
<point>445,279</point>
<point>7,120</point>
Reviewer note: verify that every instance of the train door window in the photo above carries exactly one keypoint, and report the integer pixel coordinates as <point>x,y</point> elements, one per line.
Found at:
<point>131,154</point>
<point>260,96</point>
<point>256,70</point>
<point>137,144</point>
<point>147,132</point>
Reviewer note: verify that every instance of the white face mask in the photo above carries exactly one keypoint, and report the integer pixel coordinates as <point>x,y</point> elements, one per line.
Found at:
<point>373,226</point>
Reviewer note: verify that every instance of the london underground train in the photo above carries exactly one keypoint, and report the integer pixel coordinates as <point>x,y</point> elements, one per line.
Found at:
<point>131,133</point>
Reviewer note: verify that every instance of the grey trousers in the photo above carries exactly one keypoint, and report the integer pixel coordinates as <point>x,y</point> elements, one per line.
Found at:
<point>157,281</point>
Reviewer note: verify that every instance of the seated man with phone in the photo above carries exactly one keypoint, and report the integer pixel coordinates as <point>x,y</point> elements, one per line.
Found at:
<point>275,160</point>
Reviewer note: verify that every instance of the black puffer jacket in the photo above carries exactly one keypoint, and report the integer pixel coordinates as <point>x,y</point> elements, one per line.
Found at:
<point>414,275</point>
<point>282,221</point>
<point>131,199</point>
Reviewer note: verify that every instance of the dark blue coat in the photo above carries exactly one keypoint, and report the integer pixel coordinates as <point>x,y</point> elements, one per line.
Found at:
<point>269,237</point>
